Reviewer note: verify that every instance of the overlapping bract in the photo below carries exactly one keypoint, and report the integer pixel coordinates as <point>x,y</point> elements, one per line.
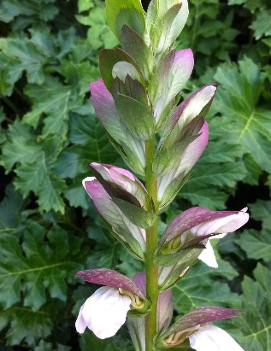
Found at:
<point>119,198</point>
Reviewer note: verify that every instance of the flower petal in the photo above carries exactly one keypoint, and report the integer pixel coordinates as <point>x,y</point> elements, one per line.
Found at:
<point>208,256</point>
<point>121,178</point>
<point>108,277</point>
<point>105,312</point>
<point>212,338</point>
<point>80,323</point>
<point>202,222</point>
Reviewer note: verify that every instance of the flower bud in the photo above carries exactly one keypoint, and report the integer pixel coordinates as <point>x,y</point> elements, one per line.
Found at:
<point>164,22</point>
<point>132,236</point>
<point>189,324</point>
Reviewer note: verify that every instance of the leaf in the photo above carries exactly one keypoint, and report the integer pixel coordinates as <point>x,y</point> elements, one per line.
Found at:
<point>32,161</point>
<point>28,58</point>
<point>130,12</point>
<point>238,101</point>
<point>99,35</point>
<point>262,24</point>
<point>23,319</point>
<point>10,209</point>
<point>255,321</point>
<point>215,173</point>
<point>261,211</point>
<point>201,286</point>
<point>85,5</point>
<point>88,342</point>
<point>52,99</point>
<point>45,346</point>
<point>38,266</point>
<point>10,9</point>
<point>257,245</point>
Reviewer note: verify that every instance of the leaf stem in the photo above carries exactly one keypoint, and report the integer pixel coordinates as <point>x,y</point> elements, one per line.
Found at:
<point>151,245</point>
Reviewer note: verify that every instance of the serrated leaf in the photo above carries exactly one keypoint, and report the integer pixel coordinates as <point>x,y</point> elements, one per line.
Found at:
<point>10,209</point>
<point>238,102</point>
<point>89,343</point>
<point>201,287</point>
<point>256,244</point>
<point>28,58</point>
<point>40,265</point>
<point>255,321</point>
<point>33,162</point>
<point>262,24</point>
<point>214,173</point>
<point>23,319</point>
<point>261,211</point>
<point>52,99</point>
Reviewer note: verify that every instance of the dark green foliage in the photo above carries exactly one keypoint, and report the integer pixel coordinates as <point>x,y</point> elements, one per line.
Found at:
<point>49,134</point>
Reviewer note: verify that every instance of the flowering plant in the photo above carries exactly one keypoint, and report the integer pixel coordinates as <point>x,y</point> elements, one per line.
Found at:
<point>160,140</point>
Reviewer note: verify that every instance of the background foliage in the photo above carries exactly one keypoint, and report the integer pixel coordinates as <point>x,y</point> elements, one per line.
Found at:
<point>49,134</point>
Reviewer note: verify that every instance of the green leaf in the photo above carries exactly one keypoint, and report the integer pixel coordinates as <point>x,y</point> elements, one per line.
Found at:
<point>261,211</point>
<point>27,57</point>
<point>88,342</point>
<point>85,5</point>
<point>52,99</point>
<point>38,266</point>
<point>129,12</point>
<point>262,24</point>
<point>203,286</point>
<point>99,35</point>
<point>23,319</point>
<point>33,161</point>
<point>257,245</point>
<point>215,173</point>
<point>10,209</point>
<point>237,101</point>
<point>255,321</point>
<point>46,346</point>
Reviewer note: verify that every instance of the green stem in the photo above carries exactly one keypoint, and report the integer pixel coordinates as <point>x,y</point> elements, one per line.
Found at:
<point>151,245</point>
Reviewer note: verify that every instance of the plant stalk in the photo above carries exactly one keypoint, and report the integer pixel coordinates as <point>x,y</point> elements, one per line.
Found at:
<point>151,246</point>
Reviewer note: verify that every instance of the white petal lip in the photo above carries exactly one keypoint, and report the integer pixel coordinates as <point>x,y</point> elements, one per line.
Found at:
<point>211,338</point>
<point>88,179</point>
<point>222,225</point>
<point>208,256</point>
<point>103,313</point>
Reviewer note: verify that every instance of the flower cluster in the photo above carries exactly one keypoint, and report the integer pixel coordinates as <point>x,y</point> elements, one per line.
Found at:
<point>161,141</point>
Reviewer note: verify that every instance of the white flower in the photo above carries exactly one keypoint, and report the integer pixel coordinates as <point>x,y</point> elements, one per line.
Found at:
<point>224,224</point>
<point>208,256</point>
<point>211,338</point>
<point>103,313</point>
